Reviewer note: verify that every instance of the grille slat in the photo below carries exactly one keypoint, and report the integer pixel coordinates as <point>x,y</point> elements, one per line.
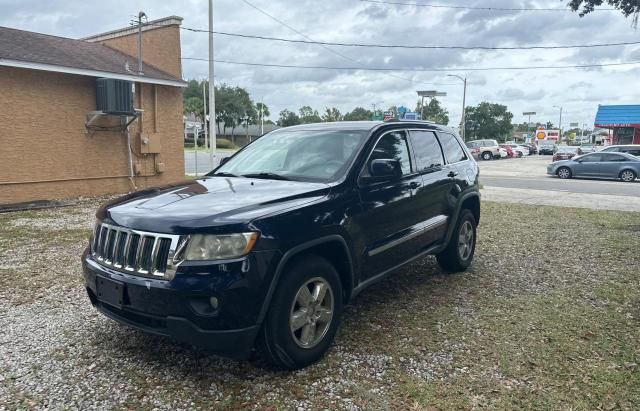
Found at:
<point>141,253</point>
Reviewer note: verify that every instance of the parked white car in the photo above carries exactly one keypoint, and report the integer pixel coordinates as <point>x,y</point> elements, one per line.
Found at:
<point>520,149</point>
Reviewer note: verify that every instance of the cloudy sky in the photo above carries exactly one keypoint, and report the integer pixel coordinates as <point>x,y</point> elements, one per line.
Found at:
<point>579,91</point>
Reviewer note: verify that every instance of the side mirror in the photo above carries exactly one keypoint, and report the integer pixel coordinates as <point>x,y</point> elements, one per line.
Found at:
<point>223,160</point>
<point>385,168</point>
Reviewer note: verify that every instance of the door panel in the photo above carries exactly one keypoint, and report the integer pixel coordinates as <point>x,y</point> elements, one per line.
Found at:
<point>389,213</point>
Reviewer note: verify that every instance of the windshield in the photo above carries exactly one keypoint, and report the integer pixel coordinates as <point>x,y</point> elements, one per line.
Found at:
<point>305,155</point>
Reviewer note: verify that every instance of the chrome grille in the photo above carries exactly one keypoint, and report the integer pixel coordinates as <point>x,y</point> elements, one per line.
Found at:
<point>137,252</point>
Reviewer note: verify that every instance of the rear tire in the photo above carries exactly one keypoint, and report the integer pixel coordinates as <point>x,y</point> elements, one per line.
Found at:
<point>462,246</point>
<point>628,176</point>
<point>486,156</point>
<point>304,315</point>
<point>564,173</point>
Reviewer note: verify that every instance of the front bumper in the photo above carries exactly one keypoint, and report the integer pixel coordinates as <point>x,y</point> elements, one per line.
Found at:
<point>181,308</point>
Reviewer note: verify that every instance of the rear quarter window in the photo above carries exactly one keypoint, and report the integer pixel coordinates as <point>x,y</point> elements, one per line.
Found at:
<point>452,149</point>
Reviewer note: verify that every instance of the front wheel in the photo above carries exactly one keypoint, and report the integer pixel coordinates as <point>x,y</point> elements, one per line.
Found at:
<point>564,172</point>
<point>459,252</point>
<point>304,315</point>
<point>628,176</point>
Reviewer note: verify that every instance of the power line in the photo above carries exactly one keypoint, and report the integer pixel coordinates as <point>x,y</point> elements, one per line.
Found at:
<point>312,40</point>
<point>340,44</point>
<point>416,69</point>
<point>445,6</point>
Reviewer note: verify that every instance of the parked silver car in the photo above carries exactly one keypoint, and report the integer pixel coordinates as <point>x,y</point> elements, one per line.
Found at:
<point>598,165</point>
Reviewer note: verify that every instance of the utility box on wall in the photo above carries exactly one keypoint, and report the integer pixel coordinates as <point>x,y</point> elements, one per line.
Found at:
<point>149,143</point>
<point>114,96</point>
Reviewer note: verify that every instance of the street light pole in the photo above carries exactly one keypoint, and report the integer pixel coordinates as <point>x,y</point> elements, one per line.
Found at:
<point>464,103</point>
<point>560,122</point>
<point>212,93</point>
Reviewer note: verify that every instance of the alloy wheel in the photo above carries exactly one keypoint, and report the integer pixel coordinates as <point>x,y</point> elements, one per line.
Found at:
<point>627,176</point>
<point>564,173</point>
<point>311,312</point>
<point>465,240</point>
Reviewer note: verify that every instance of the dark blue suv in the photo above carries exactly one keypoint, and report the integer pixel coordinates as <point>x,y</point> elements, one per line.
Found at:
<point>264,251</point>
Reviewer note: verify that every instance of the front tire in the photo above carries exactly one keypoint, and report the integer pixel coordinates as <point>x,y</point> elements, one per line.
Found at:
<point>628,176</point>
<point>462,246</point>
<point>304,315</point>
<point>564,173</point>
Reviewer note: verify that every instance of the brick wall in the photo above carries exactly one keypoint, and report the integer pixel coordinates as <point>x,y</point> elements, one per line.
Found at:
<point>160,47</point>
<point>46,154</point>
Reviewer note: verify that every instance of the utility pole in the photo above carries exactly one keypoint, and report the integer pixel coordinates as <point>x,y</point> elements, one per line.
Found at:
<point>560,122</point>
<point>262,116</point>
<point>206,132</point>
<point>212,93</point>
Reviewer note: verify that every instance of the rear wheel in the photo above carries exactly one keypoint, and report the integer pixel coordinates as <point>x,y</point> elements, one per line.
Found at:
<point>459,252</point>
<point>564,172</point>
<point>304,314</point>
<point>487,155</point>
<point>628,176</point>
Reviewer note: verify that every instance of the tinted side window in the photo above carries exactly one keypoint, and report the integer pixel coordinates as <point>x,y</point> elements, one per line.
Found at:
<point>613,157</point>
<point>593,158</point>
<point>393,146</point>
<point>451,148</point>
<point>426,150</point>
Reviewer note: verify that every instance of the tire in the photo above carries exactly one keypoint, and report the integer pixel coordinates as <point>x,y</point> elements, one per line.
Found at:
<point>519,154</point>
<point>278,344</point>
<point>628,176</point>
<point>486,156</point>
<point>564,173</point>
<point>454,259</point>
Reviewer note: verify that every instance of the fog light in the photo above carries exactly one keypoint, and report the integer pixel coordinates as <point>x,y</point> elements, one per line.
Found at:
<point>214,302</point>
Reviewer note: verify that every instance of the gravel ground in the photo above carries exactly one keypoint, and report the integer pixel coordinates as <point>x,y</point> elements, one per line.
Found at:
<point>547,317</point>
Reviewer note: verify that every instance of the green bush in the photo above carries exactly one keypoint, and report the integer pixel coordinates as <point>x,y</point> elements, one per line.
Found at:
<point>224,143</point>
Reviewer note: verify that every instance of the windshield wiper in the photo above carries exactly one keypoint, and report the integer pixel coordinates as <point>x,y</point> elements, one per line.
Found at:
<point>223,174</point>
<point>268,176</point>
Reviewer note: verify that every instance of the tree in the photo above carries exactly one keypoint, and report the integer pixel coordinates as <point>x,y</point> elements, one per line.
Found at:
<point>549,125</point>
<point>627,7</point>
<point>288,118</point>
<point>193,105</point>
<point>264,108</point>
<point>358,114</point>
<point>433,111</point>
<point>309,115</point>
<point>332,114</point>
<point>488,121</point>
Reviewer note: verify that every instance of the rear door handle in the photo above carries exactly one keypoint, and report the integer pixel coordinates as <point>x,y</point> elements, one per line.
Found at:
<point>413,185</point>
<point>452,174</point>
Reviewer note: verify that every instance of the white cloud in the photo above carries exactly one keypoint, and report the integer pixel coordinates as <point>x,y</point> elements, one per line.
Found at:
<point>578,91</point>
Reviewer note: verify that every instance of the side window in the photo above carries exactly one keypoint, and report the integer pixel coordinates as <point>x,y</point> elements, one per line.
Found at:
<point>634,152</point>
<point>593,158</point>
<point>426,150</point>
<point>613,157</point>
<point>451,148</point>
<point>393,145</point>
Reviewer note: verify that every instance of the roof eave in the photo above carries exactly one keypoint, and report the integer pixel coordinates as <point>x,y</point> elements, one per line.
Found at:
<point>90,73</point>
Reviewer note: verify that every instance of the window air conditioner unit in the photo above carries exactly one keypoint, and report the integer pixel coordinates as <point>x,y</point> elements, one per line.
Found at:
<point>114,96</point>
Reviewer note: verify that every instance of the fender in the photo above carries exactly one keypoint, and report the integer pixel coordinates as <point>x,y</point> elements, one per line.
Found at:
<point>292,252</point>
<point>454,218</point>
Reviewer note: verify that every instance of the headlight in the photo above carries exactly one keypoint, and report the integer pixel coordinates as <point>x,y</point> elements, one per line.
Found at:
<point>217,247</point>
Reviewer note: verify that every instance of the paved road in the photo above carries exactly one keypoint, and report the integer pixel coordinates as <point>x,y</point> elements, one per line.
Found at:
<point>203,160</point>
<point>530,173</point>
<point>572,186</point>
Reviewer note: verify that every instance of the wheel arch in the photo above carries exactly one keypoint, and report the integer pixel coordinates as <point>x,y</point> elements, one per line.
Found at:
<point>334,248</point>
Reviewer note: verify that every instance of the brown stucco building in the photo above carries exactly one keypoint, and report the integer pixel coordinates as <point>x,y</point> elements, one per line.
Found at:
<point>53,144</point>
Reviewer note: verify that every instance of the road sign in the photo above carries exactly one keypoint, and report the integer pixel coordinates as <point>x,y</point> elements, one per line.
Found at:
<point>529,113</point>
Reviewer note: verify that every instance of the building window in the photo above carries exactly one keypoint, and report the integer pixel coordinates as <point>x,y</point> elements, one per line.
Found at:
<point>624,135</point>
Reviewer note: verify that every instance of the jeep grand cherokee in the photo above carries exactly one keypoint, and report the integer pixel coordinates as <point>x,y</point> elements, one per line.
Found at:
<point>264,251</point>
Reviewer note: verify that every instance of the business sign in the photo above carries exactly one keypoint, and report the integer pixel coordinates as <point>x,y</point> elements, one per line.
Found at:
<point>411,116</point>
<point>609,125</point>
<point>388,115</point>
<point>574,125</point>
<point>542,134</point>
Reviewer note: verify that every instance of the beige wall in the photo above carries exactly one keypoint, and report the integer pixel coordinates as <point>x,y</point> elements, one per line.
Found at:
<point>45,152</point>
<point>160,48</point>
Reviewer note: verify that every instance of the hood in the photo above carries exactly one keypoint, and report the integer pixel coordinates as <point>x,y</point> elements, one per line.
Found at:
<point>209,202</point>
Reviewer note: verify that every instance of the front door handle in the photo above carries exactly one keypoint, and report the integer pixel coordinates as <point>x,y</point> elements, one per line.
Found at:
<point>452,174</point>
<point>413,185</point>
